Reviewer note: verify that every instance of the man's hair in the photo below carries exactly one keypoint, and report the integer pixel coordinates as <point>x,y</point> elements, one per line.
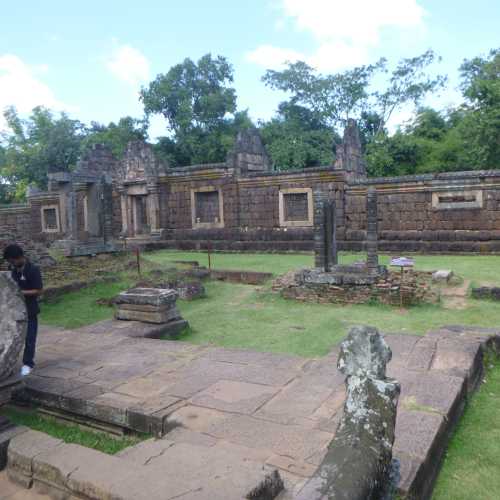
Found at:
<point>13,252</point>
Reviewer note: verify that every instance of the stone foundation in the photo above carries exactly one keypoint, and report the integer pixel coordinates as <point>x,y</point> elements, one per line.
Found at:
<point>313,285</point>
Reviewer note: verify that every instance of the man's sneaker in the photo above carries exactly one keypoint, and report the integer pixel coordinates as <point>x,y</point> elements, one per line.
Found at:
<point>25,370</point>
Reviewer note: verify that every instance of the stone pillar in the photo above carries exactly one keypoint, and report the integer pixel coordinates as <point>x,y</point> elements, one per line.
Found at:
<point>325,244</point>
<point>154,208</point>
<point>319,230</point>
<point>72,215</point>
<point>106,194</point>
<point>372,230</point>
<point>124,210</point>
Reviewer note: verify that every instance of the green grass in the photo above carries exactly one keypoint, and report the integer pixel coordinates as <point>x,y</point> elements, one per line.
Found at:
<point>253,317</point>
<point>472,464</point>
<point>78,309</point>
<point>70,433</point>
<point>482,268</point>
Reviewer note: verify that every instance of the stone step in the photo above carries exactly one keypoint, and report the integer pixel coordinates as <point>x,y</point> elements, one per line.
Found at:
<point>154,469</point>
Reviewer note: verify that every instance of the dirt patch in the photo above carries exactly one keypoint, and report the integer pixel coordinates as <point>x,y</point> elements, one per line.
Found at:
<point>456,297</point>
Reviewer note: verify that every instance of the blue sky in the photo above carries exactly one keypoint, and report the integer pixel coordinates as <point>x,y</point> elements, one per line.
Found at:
<point>90,58</point>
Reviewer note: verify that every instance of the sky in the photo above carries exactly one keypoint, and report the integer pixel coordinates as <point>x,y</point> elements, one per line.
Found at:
<point>91,58</point>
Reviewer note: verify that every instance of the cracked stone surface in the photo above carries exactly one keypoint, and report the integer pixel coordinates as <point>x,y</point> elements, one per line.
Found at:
<point>13,323</point>
<point>237,415</point>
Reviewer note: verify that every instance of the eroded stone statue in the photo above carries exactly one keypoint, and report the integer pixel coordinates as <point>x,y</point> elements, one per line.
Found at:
<point>358,464</point>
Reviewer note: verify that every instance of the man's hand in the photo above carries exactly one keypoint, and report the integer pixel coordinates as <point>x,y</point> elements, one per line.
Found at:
<point>31,293</point>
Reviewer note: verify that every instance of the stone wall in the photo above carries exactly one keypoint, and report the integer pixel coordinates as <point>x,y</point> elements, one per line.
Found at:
<point>449,212</point>
<point>452,212</point>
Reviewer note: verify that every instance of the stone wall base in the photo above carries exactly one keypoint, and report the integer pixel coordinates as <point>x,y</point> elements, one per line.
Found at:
<point>416,288</point>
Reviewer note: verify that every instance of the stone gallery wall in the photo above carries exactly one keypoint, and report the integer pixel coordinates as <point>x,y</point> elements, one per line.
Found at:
<point>242,204</point>
<point>26,219</point>
<point>449,212</point>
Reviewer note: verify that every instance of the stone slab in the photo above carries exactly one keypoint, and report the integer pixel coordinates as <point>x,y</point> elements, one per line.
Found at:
<point>235,397</point>
<point>148,296</point>
<point>256,405</point>
<point>158,317</point>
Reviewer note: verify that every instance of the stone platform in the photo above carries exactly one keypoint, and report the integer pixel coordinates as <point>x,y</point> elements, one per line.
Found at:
<point>227,416</point>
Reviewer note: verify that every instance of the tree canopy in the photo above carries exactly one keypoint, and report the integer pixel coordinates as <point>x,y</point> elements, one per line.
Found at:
<point>199,103</point>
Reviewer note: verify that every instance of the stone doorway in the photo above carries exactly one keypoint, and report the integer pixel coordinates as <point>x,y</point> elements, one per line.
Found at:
<point>140,223</point>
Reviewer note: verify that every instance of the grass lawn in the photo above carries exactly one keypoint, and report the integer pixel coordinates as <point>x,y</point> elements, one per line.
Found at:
<point>472,464</point>
<point>77,309</point>
<point>252,317</point>
<point>70,433</point>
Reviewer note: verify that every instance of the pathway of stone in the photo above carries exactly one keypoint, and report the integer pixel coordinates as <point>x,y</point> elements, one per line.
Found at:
<point>228,417</point>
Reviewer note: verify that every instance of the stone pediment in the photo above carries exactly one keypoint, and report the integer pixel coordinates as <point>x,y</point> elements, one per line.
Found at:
<point>140,163</point>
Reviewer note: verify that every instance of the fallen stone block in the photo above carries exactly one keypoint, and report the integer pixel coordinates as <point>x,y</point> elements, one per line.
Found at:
<point>443,275</point>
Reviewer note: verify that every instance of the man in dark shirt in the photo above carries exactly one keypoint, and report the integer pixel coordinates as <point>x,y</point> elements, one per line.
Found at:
<point>29,279</point>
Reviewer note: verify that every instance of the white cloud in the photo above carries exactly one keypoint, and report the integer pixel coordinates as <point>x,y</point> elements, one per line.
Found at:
<point>20,87</point>
<point>129,65</point>
<point>273,57</point>
<point>344,31</point>
<point>357,21</point>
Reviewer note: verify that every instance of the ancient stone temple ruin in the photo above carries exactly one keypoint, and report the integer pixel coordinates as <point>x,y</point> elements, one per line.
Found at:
<point>246,203</point>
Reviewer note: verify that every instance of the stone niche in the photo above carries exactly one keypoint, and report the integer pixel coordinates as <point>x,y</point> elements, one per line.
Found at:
<point>296,207</point>
<point>207,208</point>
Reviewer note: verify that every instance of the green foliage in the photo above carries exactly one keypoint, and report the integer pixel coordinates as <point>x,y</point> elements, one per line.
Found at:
<point>40,144</point>
<point>199,104</point>
<point>295,138</point>
<point>335,98</point>
<point>116,135</point>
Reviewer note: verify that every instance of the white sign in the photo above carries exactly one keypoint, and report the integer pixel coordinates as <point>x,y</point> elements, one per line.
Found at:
<point>402,262</point>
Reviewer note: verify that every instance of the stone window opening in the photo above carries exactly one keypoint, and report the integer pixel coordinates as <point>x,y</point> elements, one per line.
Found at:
<point>207,208</point>
<point>296,207</point>
<point>457,200</point>
<point>50,219</point>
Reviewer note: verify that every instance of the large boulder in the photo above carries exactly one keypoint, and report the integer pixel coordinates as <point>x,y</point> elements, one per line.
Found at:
<point>13,324</point>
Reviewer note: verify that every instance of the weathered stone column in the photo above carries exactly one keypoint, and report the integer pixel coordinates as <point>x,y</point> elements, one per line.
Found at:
<point>154,207</point>
<point>72,215</point>
<point>358,464</point>
<point>372,229</point>
<point>325,244</point>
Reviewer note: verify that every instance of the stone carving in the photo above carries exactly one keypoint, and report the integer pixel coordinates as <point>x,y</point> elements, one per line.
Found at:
<point>248,153</point>
<point>358,464</point>
<point>349,153</point>
<point>13,323</point>
<point>140,163</point>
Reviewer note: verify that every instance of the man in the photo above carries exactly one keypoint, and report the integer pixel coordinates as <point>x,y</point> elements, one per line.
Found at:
<point>29,279</point>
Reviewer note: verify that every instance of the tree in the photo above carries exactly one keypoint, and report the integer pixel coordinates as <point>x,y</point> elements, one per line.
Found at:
<point>337,97</point>
<point>295,138</point>
<point>43,143</point>
<point>409,83</point>
<point>199,104</point>
<point>333,99</point>
<point>116,135</point>
<point>481,126</point>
